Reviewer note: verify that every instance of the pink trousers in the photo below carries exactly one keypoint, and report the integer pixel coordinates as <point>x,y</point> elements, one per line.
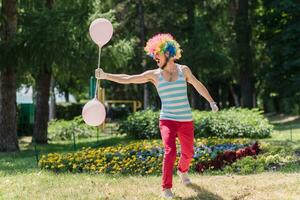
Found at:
<point>169,129</point>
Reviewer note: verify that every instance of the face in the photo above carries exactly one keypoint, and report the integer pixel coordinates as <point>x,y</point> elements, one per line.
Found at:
<point>161,59</point>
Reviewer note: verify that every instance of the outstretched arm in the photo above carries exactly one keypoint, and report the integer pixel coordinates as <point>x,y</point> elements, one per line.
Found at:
<point>201,89</point>
<point>125,78</point>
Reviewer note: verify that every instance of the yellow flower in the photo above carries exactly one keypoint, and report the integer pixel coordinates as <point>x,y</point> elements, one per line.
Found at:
<point>60,166</point>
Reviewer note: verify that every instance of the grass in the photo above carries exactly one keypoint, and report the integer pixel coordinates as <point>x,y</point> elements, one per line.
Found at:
<point>25,160</point>
<point>286,132</point>
<point>20,178</point>
<point>46,185</point>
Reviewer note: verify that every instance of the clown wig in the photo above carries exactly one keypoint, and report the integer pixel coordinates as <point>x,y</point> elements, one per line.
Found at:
<point>161,44</point>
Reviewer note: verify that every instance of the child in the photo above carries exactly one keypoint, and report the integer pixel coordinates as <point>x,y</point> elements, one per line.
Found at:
<point>170,80</point>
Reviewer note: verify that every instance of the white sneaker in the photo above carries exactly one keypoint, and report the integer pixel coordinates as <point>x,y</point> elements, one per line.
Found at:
<point>184,178</point>
<point>167,193</point>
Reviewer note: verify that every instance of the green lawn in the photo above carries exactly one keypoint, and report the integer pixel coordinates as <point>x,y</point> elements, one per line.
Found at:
<point>20,178</point>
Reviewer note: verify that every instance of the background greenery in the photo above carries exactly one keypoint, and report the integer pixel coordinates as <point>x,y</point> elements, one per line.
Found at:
<point>59,37</point>
<point>227,123</point>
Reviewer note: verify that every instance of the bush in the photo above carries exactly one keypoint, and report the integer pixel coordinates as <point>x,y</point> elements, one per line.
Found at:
<point>232,123</point>
<point>227,123</point>
<point>119,112</point>
<point>64,129</point>
<point>141,125</point>
<point>68,111</point>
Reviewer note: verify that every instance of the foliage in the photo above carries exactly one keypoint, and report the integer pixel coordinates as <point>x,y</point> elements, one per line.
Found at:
<point>143,157</point>
<point>239,156</point>
<point>59,38</point>
<point>64,129</point>
<point>227,123</point>
<point>273,157</point>
<point>228,156</point>
<point>141,125</point>
<point>233,122</point>
<point>278,27</point>
<point>68,111</point>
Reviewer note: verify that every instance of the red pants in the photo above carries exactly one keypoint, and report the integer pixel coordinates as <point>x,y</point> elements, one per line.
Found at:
<point>169,129</point>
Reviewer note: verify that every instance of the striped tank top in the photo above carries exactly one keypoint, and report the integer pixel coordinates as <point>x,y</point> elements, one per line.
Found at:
<point>174,100</point>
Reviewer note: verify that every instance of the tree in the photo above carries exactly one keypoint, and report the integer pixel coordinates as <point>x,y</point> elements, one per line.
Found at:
<point>244,54</point>
<point>8,113</point>
<point>43,79</point>
<point>278,28</point>
<point>141,53</point>
<point>59,45</point>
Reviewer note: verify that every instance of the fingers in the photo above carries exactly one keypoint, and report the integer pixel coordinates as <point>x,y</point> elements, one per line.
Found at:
<point>214,106</point>
<point>98,72</point>
<point>215,109</point>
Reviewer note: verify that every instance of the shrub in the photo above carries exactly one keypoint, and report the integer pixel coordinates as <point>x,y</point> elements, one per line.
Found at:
<point>64,129</point>
<point>68,111</point>
<point>231,123</point>
<point>227,123</point>
<point>246,165</point>
<point>141,125</point>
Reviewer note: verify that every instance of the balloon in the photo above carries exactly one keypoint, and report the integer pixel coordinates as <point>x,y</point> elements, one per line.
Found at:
<point>93,113</point>
<point>101,31</point>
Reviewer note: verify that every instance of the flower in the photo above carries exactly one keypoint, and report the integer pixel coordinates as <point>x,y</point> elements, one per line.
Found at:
<point>144,157</point>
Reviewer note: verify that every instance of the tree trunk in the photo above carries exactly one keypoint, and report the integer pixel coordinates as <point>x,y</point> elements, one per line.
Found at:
<point>276,103</point>
<point>42,105</point>
<point>195,99</point>
<point>66,92</point>
<point>142,55</point>
<point>243,37</point>
<point>52,114</point>
<point>43,79</point>
<point>234,95</point>
<point>190,12</point>
<point>8,112</point>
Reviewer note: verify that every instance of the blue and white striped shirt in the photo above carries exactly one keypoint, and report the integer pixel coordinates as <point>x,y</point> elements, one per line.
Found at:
<point>174,100</point>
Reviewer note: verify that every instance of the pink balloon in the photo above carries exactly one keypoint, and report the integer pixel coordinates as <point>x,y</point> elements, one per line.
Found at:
<point>101,31</point>
<point>93,113</point>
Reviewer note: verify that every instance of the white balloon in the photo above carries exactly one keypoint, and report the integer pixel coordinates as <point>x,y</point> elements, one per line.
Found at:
<point>93,113</point>
<point>101,31</point>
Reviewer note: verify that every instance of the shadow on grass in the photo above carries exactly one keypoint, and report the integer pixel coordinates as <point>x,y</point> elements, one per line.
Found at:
<point>25,161</point>
<point>284,126</point>
<point>201,193</point>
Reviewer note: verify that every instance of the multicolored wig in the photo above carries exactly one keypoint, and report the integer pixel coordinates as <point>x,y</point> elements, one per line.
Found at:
<point>161,44</point>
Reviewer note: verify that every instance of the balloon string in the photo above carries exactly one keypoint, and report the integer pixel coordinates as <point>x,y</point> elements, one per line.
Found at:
<point>99,57</point>
<point>96,90</point>
<point>97,83</point>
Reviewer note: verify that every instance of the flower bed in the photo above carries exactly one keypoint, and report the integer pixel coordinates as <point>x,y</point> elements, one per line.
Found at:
<point>227,154</point>
<point>145,157</point>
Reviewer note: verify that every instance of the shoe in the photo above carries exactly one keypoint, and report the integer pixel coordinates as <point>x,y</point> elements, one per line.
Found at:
<point>184,178</point>
<point>167,193</point>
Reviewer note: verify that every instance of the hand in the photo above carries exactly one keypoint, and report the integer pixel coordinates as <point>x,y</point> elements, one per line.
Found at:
<point>100,74</point>
<point>213,106</point>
